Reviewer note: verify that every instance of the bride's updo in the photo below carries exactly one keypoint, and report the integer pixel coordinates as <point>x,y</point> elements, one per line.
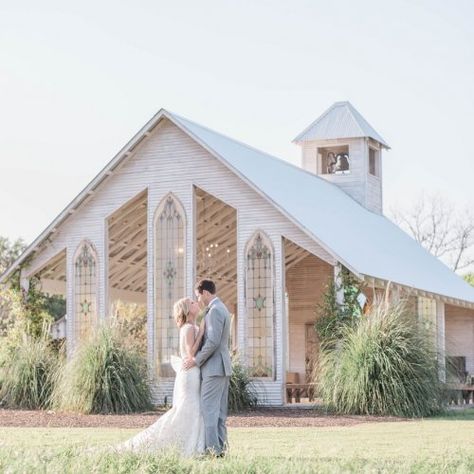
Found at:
<point>181,311</point>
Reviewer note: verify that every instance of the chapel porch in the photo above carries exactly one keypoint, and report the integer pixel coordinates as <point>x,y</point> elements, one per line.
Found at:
<point>153,253</point>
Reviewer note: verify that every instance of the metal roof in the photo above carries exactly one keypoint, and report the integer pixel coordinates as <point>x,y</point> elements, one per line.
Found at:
<point>366,242</point>
<point>341,120</point>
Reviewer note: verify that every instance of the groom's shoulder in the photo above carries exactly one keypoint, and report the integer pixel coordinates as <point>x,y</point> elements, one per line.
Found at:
<point>223,307</point>
<point>220,307</point>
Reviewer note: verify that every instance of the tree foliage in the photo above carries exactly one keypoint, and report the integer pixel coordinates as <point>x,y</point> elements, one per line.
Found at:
<point>332,316</point>
<point>10,251</point>
<point>32,307</point>
<point>469,277</point>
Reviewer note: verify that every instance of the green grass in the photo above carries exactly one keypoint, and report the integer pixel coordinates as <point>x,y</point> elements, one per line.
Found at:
<point>441,444</point>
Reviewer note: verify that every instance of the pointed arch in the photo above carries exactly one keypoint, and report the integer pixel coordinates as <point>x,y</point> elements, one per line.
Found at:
<point>169,226</point>
<point>85,290</point>
<point>260,303</point>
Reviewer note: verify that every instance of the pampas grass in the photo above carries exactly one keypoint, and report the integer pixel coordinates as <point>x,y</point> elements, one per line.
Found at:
<point>386,365</point>
<point>28,372</point>
<point>103,377</point>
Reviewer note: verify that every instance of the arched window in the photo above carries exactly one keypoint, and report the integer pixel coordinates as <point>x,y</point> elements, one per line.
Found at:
<point>260,306</point>
<point>85,291</point>
<point>169,279</point>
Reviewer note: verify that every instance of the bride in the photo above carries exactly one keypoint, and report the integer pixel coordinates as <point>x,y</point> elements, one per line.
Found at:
<point>181,427</point>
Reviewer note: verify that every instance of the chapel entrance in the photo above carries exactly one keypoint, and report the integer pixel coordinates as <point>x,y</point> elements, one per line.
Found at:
<point>216,249</point>
<point>127,269</point>
<point>306,278</point>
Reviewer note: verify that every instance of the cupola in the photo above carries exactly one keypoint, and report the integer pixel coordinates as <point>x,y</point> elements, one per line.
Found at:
<point>343,148</point>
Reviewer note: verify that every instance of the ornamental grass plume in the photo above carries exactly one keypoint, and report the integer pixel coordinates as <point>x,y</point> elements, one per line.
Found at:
<point>104,376</point>
<point>28,365</point>
<point>385,365</point>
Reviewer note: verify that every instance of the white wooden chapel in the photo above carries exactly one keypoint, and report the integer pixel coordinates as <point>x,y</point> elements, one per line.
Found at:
<point>180,202</point>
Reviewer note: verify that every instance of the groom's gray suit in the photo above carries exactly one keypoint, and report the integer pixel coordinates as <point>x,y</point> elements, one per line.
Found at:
<point>216,369</point>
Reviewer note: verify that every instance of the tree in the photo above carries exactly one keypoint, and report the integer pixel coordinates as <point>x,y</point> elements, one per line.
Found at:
<point>10,301</point>
<point>469,277</point>
<point>446,232</point>
<point>333,316</point>
<point>32,308</point>
<point>9,252</point>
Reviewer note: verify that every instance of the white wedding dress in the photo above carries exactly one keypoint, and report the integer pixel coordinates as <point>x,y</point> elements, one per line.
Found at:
<point>182,427</point>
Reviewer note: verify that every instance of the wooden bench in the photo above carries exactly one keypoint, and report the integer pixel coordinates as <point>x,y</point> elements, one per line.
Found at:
<point>297,390</point>
<point>459,393</point>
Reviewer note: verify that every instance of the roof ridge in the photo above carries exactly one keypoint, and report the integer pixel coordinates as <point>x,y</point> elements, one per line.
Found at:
<point>314,122</point>
<point>359,124</point>
<point>352,110</point>
<point>246,145</point>
<point>276,158</point>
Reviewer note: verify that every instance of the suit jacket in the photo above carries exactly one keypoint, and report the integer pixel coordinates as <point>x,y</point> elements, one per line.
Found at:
<point>214,356</point>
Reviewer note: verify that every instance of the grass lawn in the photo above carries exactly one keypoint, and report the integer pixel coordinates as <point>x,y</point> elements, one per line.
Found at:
<point>442,444</point>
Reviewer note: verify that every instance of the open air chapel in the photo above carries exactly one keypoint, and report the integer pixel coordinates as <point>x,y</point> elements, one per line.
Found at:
<point>181,202</point>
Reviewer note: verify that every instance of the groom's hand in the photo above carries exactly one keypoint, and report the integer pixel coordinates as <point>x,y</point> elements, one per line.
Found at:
<point>189,363</point>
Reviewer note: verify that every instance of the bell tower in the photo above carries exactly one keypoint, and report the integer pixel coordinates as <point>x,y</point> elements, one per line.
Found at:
<point>341,147</point>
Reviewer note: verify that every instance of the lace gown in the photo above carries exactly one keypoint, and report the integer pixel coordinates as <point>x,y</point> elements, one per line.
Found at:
<point>182,426</point>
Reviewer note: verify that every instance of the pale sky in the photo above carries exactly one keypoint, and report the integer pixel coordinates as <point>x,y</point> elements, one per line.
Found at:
<point>78,79</point>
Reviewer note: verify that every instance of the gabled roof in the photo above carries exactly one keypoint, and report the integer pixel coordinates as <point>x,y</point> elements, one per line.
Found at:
<point>365,242</point>
<point>341,120</point>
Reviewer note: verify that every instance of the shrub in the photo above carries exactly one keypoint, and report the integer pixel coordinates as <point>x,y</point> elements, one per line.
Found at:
<point>28,309</point>
<point>10,310</point>
<point>333,316</point>
<point>241,390</point>
<point>28,371</point>
<point>385,365</point>
<point>132,320</point>
<point>104,377</point>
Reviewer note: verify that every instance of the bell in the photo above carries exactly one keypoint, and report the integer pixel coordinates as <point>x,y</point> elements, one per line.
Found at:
<point>342,162</point>
<point>331,163</point>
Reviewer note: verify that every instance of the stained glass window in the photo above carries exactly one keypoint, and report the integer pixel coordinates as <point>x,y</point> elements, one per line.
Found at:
<point>170,280</point>
<point>427,314</point>
<point>260,306</point>
<point>85,291</point>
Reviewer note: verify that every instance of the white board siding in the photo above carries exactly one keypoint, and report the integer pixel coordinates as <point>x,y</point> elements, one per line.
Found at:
<point>170,161</point>
<point>374,194</point>
<point>459,330</point>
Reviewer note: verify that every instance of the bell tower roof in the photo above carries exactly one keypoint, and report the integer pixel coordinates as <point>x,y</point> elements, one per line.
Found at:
<point>341,120</point>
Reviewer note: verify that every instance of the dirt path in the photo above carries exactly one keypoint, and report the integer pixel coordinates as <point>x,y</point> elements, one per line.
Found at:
<point>263,417</point>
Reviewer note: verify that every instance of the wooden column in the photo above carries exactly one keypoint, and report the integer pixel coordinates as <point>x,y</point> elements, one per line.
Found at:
<point>241,335</point>
<point>281,323</point>
<point>441,339</point>
<point>69,302</point>
<point>150,288</point>
<point>103,272</point>
<point>338,283</point>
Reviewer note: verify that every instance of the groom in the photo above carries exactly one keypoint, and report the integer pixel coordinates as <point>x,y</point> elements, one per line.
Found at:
<point>214,360</point>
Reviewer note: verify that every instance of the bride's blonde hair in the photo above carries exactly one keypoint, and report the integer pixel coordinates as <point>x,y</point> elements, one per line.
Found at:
<point>181,311</point>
